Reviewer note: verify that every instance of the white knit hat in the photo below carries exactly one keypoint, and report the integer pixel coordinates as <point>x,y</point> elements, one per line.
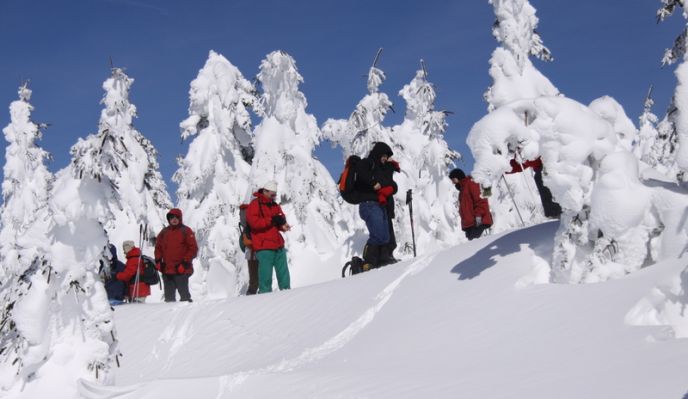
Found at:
<point>128,245</point>
<point>270,186</point>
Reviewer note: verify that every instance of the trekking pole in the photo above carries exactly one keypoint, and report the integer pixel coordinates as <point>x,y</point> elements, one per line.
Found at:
<point>514,201</point>
<point>138,263</point>
<point>409,202</point>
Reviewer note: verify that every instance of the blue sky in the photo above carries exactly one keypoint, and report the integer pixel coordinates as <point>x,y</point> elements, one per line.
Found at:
<point>601,47</point>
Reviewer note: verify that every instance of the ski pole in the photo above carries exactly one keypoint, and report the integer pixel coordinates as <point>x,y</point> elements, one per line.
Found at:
<point>138,263</point>
<point>409,202</point>
<point>514,201</point>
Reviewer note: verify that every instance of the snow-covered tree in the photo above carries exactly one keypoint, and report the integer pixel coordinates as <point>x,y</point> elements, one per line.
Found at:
<point>673,130</point>
<point>364,127</point>
<point>425,160</point>
<point>57,325</point>
<point>24,243</point>
<point>514,198</point>
<point>647,133</point>
<point>213,177</point>
<point>609,216</point>
<point>514,76</point>
<point>118,151</point>
<point>284,142</point>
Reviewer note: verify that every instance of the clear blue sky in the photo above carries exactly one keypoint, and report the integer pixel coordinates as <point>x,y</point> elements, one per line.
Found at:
<point>601,47</point>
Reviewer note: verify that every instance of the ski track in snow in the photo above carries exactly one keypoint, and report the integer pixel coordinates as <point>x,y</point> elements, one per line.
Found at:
<point>227,383</point>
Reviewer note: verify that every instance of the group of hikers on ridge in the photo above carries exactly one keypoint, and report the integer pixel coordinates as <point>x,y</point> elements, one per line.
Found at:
<point>367,182</point>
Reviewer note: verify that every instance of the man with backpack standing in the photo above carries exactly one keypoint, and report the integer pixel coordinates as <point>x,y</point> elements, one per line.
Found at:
<point>138,290</point>
<point>267,221</point>
<point>175,248</point>
<point>474,210</point>
<point>375,187</point>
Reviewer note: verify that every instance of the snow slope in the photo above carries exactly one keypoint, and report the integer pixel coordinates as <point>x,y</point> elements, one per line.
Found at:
<point>463,322</point>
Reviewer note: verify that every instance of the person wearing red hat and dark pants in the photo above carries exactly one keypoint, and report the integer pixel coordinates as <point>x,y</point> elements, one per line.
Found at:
<point>175,248</point>
<point>474,210</point>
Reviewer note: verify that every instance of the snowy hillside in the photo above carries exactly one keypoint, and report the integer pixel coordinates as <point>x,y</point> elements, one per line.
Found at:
<point>464,322</point>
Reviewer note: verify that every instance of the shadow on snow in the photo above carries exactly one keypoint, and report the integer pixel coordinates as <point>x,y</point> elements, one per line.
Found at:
<point>508,244</point>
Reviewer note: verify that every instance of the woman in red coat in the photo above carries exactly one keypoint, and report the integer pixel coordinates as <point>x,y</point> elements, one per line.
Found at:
<point>474,210</point>
<point>137,292</point>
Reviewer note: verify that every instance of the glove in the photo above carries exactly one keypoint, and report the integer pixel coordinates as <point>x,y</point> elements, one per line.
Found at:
<point>478,221</point>
<point>395,165</point>
<point>384,193</point>
<point>279,220</point>
<point>181,269</point>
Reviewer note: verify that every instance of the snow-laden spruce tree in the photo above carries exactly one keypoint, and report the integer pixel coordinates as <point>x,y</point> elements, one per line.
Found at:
<point>357,134</point>
<point>514,75</point>
<point>514,198</point>
<point>213,177</point>
<point>647,133</point>
<point>57,325</point>
<point>24,243</point>
<point>425,158</point>
<point>137,192</point>
<point>669,149</point>
<point>284,142</point>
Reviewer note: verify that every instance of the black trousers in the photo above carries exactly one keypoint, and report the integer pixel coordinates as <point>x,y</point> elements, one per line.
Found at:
<point>176,282</point>
<point>252,275</point>
<point>474,232</point>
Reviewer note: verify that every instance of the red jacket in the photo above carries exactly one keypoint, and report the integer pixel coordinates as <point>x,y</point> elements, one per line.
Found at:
<point>516,167</point>
<point>176,245</point>
<point>471,204</point>
<point>128,275</point>
<point>264,234</point>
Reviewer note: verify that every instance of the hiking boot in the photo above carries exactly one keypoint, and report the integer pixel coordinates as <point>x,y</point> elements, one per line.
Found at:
<point>386,255</point>
<point>371,257</point>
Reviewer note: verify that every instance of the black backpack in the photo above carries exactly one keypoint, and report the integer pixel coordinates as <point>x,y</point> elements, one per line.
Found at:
<point>347,180</point>
<point>149,274</point>
<point>354,266</point>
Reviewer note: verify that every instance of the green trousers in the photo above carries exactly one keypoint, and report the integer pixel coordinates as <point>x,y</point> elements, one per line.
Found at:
<point>267,260</point>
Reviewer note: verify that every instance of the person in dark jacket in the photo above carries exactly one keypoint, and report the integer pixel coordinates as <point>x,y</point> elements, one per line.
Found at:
<point>473,209</point>
<point>138,290</point>
<point>267,223</point>
<point>376,187</point>
<point>116,290</point>
<point>175,248</point>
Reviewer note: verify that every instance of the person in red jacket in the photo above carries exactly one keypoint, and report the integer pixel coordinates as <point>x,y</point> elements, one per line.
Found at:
<point>138,291</point>
<point>551,208</point>
<point>175,248</point>
<point>473,209</point>
<point>267,222</point>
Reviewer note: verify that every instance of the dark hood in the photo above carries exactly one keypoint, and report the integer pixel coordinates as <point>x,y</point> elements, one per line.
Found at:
<point>380,149</point>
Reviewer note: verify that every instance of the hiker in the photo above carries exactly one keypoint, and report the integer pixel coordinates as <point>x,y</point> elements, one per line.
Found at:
<point>267,223</point>
<point>376,187</point>
<point>138,290</point>
<point>175,248</point>
<point>551,208</point>
<point>473,209</point>
<point>116,290</point>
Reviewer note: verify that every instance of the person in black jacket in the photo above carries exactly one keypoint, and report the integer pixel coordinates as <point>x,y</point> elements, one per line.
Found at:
<point>376,187</point>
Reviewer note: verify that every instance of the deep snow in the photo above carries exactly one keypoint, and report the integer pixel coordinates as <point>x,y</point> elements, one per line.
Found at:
<point>463,322</point>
